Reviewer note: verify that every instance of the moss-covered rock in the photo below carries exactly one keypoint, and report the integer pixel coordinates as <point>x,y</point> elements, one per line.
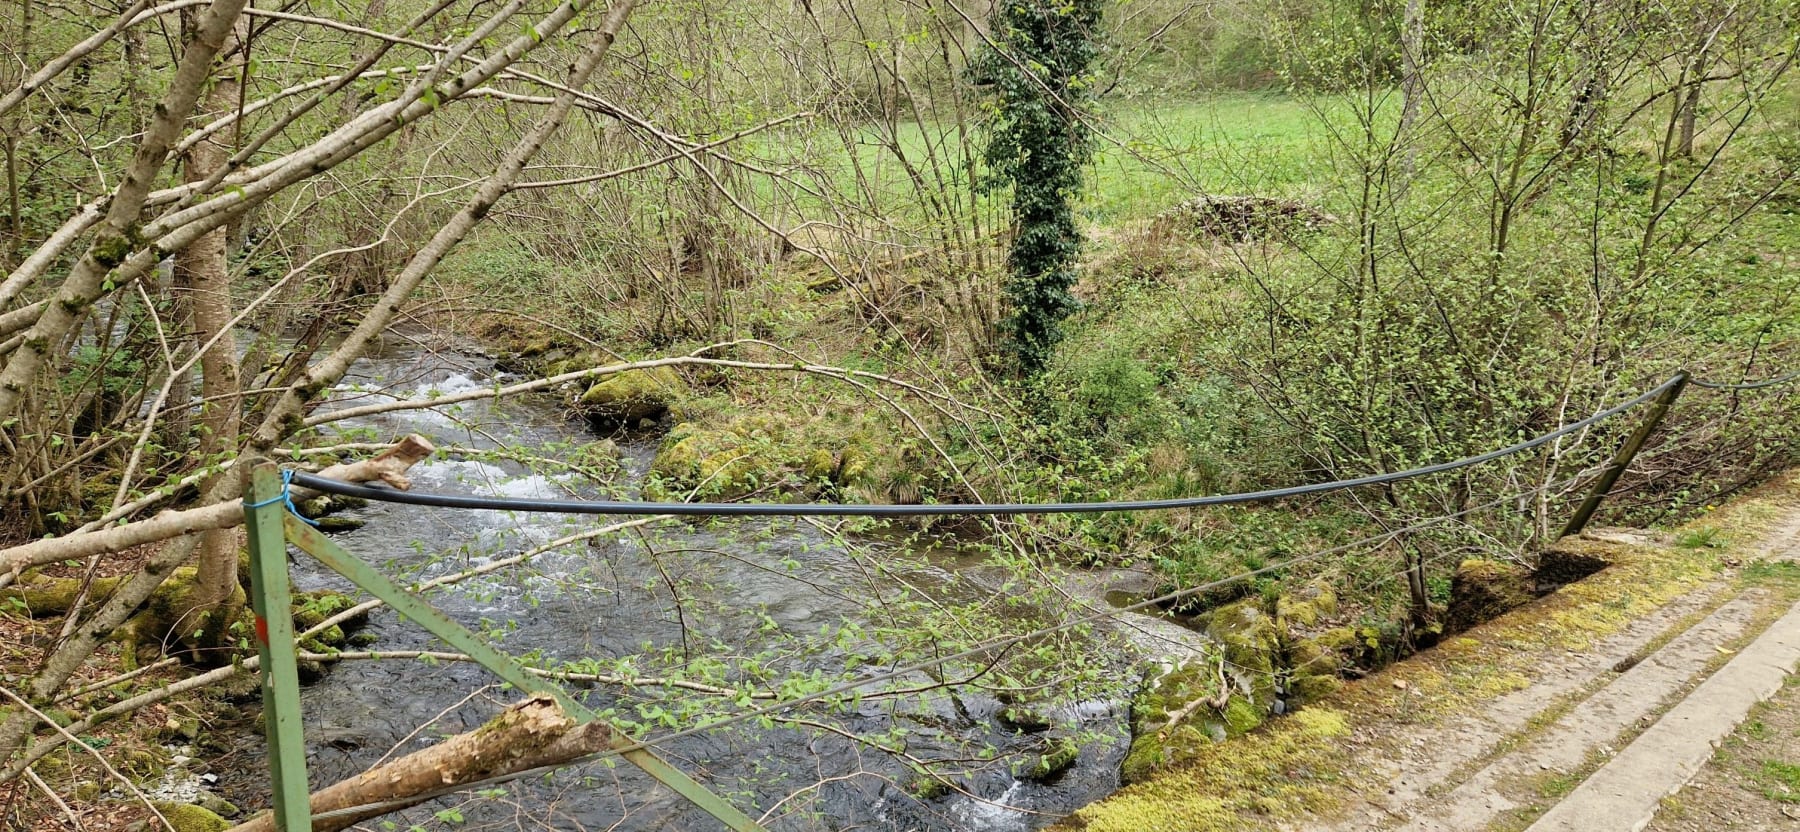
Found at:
<point>626,397</point>
<point>1241,716</point>
<point>325,505</point>
<point>1306,606</point>
<point>1059,756</point>
<point>189,818</point>
<point>41,597</point>
<point>1175,715</point>
<point>1153,750</point>
<point>720,464</point>
<point>560,362</point>
<point>1312,688</point>
<point>312,608</point>
<point>1484,589</point>
<point>1320,656</point>
<point>336,525</point>
<point>1251,643</point>
<point>168,619</point>
<point>218,805</point>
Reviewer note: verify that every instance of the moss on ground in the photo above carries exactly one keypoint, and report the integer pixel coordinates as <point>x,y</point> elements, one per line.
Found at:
<point>188,818</point>
<point>1274,773</point>
<point>1301,765</point>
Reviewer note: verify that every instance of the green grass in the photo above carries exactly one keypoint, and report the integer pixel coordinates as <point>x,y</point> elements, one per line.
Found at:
<point>1703,537</point>
<point>1237,143</point>
<point>1783,781</point>
<point>1149,156</point>
<point>1558,785</point>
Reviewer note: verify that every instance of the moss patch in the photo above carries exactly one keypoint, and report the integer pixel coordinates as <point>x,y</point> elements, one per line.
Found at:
<point>1485,589</point>
<point>755,455</point>
<point>186,818</point>
<point>625,398</point>
<point>1278,772</point>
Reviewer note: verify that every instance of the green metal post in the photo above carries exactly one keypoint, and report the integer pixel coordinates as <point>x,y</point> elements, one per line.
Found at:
<point>341,561</point>
<point>1622,459</point>
<point>271,602</point>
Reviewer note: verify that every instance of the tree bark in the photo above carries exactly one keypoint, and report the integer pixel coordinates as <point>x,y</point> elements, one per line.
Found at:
<point>1690,117</point>
<point>202,269</point>
<point>1412,44</point>
<point>119,235</point>
<point>531,734</point>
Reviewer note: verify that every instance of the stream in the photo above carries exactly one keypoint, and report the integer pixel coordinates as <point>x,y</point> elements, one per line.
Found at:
<point>609,599</point>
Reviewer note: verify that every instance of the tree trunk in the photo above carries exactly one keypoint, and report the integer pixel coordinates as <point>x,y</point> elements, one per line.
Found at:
<point>1690,109</point>
<point>113,241</point>
<point>528,735</point>
<point>202,269</point>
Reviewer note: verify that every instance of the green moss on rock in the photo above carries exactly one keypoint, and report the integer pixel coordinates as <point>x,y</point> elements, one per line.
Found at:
<point>1306,606</point>
<point>333,525</point>
<point>1252,646</point>
<point>189,818</point>
<point>1059,755</point>
<point>1241,716</point>
<point>1171,720</point>
<point>43,597</point>
<point>632,395</point>
<point>1303,689</point>
<point>710,463</point>
<point>1152,751</point>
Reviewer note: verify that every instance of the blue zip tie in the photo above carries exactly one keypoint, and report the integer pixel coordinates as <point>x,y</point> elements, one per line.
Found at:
<point>286,496</point>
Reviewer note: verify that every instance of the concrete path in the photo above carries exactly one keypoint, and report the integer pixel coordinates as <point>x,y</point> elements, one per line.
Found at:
<point>1637,737</point>
<point>1626,792</point>
<point>1588,727</point>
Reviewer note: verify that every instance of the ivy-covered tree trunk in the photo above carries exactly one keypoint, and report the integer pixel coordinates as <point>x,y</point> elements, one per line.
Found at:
<point>1040,69</point>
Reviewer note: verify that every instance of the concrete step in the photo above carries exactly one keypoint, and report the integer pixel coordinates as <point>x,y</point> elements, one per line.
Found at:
<point>1510,781</point>
<point>1625,793</point>
<point>1437,759</point>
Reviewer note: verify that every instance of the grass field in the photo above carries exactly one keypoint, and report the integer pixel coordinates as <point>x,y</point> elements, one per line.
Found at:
<point>1148,155</point>
<point>1155,154</point>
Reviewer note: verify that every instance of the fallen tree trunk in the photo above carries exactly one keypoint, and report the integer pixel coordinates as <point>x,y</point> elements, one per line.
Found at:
<point>531,734</point>
<point>389,467</point>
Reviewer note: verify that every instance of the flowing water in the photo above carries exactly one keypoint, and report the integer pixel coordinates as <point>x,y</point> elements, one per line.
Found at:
<point>745,583</point>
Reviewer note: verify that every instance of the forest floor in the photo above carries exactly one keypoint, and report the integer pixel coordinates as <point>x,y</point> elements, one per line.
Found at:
<point>1497,725</point>
<point>166,754</point>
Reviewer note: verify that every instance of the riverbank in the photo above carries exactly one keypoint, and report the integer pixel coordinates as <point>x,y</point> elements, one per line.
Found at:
<point>1361,756</point>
